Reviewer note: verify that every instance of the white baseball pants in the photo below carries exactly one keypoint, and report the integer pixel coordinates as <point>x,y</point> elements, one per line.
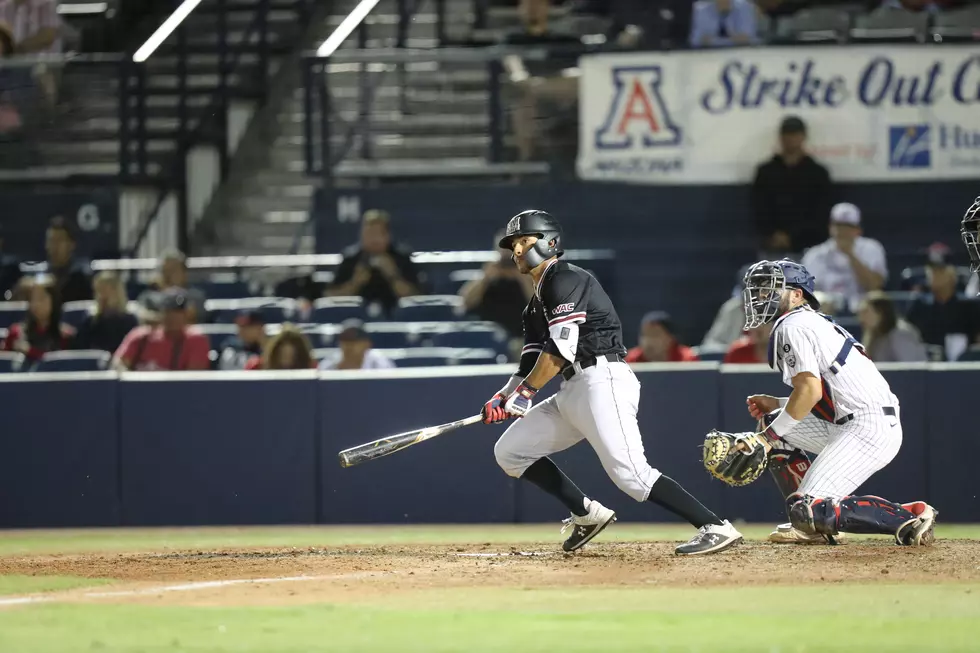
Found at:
<point>847,454</point>
<point>598,404</point>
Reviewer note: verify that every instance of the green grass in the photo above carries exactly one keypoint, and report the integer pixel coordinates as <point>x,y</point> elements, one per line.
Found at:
<point>115,540</point>
<point>815,618</point>
<point>14,584</point>
<point>833,618</point>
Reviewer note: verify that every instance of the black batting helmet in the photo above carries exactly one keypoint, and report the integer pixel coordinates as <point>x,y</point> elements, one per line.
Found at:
<point>535,223</point>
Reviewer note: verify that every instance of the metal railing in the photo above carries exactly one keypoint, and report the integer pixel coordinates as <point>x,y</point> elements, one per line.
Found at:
<point>485,100</point>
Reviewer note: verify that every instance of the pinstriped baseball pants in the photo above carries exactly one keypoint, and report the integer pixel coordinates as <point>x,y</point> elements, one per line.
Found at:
<point>848,454</point>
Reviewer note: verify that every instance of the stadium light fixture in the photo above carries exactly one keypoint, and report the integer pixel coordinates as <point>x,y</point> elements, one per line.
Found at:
<point>346,27</point>
<point>165,30</point>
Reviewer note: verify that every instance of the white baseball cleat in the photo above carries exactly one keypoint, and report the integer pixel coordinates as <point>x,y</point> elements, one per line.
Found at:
<point>710,538</point>
<point>921,533</point>
<point>786,534</point>
<point>586,527</point>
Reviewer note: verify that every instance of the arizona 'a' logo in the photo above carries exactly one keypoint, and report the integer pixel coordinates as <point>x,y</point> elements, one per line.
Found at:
<point>637,112</point>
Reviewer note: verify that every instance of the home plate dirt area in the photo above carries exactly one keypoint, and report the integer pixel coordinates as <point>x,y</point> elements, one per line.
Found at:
<point>341,574</point>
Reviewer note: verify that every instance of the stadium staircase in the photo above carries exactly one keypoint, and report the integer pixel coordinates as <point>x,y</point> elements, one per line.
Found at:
<point>265,206</point>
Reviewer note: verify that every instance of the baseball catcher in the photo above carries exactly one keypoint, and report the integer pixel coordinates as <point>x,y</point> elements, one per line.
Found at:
<point>841,408</point>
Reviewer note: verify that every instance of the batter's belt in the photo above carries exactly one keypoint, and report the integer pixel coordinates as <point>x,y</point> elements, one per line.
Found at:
<point>886,410</point>
<point>569,370</point>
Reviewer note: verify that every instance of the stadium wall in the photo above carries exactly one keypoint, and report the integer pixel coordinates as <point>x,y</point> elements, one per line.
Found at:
<point>94,449</point>
<point>678,247</point>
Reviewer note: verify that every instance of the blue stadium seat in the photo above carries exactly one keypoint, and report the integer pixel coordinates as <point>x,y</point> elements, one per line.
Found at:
<point>711,356</point>
<point>273,309</point>
<point>11,361</point>
<point>468,356</point>
<point>333,310</point>
<point>429,308</point>
<point>225,289</point>
<point>11,313</point>
<point>83,360</point>
<point>390,335</point>
<point>475,336</point>
<point>74,313</point>
<point>420,361</point>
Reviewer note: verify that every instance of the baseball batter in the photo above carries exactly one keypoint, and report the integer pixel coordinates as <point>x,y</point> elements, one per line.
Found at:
<point>841,408</point>
<point>571,328</point>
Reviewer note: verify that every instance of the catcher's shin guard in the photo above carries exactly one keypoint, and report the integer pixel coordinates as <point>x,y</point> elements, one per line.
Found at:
<point>788,469</point>
<point>855,514</point>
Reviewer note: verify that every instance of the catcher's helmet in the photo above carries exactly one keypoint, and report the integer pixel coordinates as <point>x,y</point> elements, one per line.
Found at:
<point>535,223</point>
<point>764,284</point>
<point>970,233</point>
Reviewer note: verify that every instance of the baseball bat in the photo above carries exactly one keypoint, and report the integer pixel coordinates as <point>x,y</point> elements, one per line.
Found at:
<point>392,443</point>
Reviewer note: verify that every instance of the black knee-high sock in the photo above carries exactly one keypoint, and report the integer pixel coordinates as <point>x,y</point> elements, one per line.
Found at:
<point>546,475</point>
<point>667,493</point>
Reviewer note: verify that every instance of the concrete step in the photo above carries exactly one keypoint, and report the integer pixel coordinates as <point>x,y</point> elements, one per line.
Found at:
<point>395,122</point>
<point>388,98</point>
<point>382,147</point>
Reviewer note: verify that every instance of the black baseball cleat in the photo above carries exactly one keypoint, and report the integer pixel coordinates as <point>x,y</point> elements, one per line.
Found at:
<point>710,538</point>
<point>586,527</point>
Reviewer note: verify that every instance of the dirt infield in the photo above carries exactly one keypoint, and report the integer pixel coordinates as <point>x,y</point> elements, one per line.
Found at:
<point>362,573</point>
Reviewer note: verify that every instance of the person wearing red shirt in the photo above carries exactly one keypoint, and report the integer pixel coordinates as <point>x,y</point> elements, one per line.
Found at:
<point>42,330</point>
<point>753,347</point>
<point>171,345</point>
<point>658,344</point>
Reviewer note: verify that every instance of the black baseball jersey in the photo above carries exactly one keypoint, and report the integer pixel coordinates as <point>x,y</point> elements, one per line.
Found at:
<point>570,316</point>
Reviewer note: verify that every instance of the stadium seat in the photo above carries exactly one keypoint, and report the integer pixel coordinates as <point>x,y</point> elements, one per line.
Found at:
<point>903,301</point>
<point>957,25</point>
<point>11,312</point>
<point>218,334</point>
<point>429,308</point>
<point>225,289</point>
<point>814,25</point>
<point>711,355</point>
<point>333,310</point>
<point>480,335</point>
<point>74,313</point>
<point>468,356</point>
<point>84,360</point>
<point>273,309</point>
<point>391,335</point>
<point>11,361</point>
<point>459,278</point>
<point>891,25</point>
<point>3,334</point>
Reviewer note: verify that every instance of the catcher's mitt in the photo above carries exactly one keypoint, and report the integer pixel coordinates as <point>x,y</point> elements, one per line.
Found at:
<point>736,458</point>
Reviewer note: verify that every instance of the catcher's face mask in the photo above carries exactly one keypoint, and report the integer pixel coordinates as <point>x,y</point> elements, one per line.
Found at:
<point>970,232</point>
<point>764,286</point>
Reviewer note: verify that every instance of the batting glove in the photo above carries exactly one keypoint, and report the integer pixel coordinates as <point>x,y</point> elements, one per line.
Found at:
<point>520,401</point>
<point>493,410</point>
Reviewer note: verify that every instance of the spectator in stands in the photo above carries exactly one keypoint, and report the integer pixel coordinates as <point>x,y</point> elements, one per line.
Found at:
<point>245,351</point>
<point>42,330</point>
<point>355,350</point>
<point>753,347</point>
<point>847,264</point>
<point>945,320</point>
<point>729,322</point>
<point>173,274</point>
<point>71,276</point>
<point>500,293</point>
<point>109,324</point>
<point>887,338</point>
<point>172,345</point>
<point>545,109</point>
<point>792,194</point>
<point>723,23</point>
<point>288,350</point>
<point>649,24</point>
<point>35,24</point>
<point>376,269</point>
<point>658,344</point>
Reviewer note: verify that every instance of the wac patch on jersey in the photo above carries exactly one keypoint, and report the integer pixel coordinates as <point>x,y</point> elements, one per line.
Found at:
<point>564,308</point>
